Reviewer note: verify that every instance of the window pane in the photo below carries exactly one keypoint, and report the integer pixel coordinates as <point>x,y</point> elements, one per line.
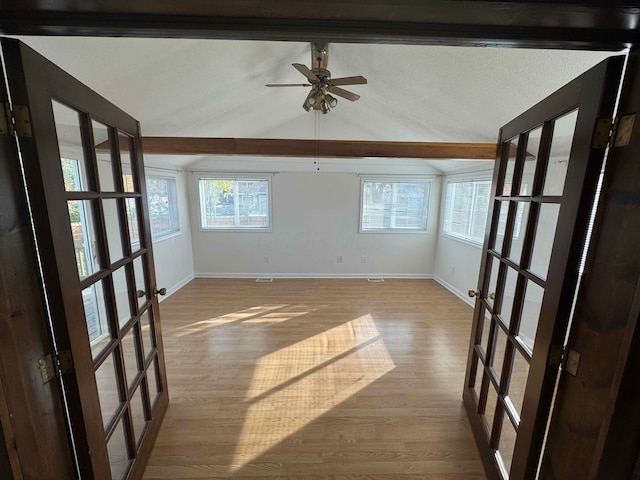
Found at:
<point>118,456</point>
<point>84,237</point>
<point>102,144</point>
<point>112,222</point>
<point>107,390</point>
<point>511,166</point>
<point>124,142</point>
<point>563,130</point>
<point>395,205</point>
<point>74,168</point>
<point>95,312</point>
<point>466,208</point>
<point>229,203</point>
<point>507,443</point>
<point>163,206</point>
<point>134,225</point>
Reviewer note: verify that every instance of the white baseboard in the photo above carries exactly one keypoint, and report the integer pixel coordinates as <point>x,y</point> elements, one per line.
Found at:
<point>315,275</point>
<point>173,289</point>
<point>461,295</point>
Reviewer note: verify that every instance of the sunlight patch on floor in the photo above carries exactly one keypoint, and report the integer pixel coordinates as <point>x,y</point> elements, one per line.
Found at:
<point>240,315</point>
<point>284,365</point>
<point>293,387</point>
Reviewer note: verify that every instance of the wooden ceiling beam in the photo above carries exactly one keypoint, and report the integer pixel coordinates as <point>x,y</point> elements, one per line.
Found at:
<point>598,24</point>
<point>312,148</point>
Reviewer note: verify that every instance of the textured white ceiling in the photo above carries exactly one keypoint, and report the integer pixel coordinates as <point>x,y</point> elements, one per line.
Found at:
<point>216,88</point>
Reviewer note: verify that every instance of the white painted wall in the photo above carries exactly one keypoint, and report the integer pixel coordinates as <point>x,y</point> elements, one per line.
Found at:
<point>315,219</point>
<point>457,263</point>
<point>173,255</point>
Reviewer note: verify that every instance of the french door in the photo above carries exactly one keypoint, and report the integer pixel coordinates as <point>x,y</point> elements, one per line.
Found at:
<point>544,182</point>
<point>84,175</point>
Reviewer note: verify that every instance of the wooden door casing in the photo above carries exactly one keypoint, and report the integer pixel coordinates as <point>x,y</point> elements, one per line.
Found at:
<point>593,94</point>
<point>34,82</point>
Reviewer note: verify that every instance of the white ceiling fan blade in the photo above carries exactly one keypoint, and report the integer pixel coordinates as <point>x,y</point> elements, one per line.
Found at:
<point>287,85</point>
<point>303,69</point>
<point>357,80</point>
<point>344,93</point>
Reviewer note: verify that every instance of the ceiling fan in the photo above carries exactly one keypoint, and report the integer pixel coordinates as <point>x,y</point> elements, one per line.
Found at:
<point>321,83</point>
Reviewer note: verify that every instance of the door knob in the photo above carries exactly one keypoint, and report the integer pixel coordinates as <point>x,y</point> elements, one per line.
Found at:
<point>492,295</point>
<point>162,291</point>
<point>140,293</point>
<point>474,293</point>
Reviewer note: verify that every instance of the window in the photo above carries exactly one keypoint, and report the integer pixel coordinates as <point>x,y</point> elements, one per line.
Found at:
<point>390,205</point>
<point>235,203</point>
<point>465,209</point>
<point>163,206</point>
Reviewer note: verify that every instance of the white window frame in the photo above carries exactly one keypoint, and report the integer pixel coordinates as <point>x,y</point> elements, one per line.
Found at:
<point>463,179</point>
<point>156,238</point>
<point>235,177</point>
<point>419,179</point>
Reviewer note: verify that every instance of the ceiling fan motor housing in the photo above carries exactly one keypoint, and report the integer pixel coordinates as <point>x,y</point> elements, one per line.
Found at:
<point>322,73</point>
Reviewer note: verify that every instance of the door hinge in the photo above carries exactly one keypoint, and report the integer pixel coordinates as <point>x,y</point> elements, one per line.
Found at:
<point>53,365</point>
<point>616,132</point>
<point>16,120</point>
<point>564,357</point>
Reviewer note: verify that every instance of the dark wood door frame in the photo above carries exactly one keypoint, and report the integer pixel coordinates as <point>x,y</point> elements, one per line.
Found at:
<point>33,423</point>
<point>545,24</point>
<point>608,282</point>
<point>34,82</point>
<point>595,430</point>
<point>594,95</point>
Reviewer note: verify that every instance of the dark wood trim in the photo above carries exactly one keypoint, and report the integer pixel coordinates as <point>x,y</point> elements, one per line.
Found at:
<point>313,148</point>
<point>598,25</point>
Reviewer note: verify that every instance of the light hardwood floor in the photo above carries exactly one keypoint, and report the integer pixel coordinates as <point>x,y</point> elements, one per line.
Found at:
<point>310,379</point>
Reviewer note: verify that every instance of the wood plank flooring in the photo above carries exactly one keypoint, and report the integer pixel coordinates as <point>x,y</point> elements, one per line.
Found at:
<point>311,379</point>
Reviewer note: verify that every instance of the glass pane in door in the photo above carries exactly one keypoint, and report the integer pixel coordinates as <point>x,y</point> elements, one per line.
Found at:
<point>72,161</point>
<point>108,395</point>
<point>114,234</point>
<point>81,218</point>
<point>95,312</point>
<point>102,144</point>
<point>142,292</point>
<point>118,455</point>
<point>543,242</point>
<point>507,443</point>
<point>128,175</point>
<point>563,132</point>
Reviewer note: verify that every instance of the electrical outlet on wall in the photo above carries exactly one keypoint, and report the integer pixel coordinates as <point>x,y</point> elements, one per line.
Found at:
<point>266,259</point>
<point>363,259</point>
<point>339,258</point>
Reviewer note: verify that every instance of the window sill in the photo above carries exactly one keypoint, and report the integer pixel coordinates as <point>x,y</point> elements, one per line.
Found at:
<point>236,230</point>
<point>166,237</point>
<point>463,240</point>
<point>396,232</point>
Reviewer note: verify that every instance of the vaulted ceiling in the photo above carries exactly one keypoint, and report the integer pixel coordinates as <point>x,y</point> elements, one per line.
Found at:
<point>215,88</point>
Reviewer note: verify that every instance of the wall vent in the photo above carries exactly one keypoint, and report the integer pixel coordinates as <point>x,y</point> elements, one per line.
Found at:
<point>375,280</point>
<point>264,280</point>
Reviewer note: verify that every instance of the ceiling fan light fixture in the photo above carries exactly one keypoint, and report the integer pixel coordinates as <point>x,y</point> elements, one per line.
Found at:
<point>333,101</point>
<point>324,106</point>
